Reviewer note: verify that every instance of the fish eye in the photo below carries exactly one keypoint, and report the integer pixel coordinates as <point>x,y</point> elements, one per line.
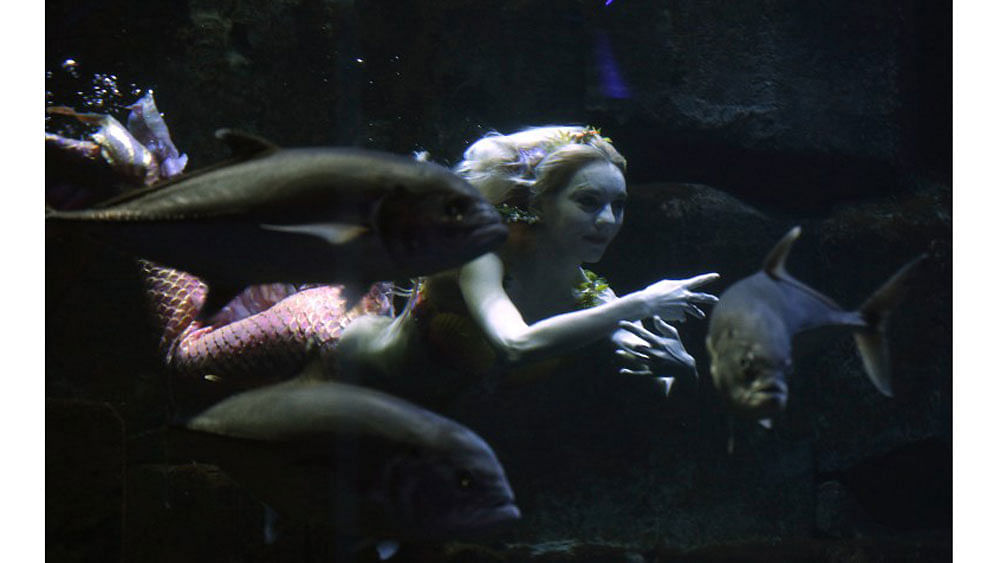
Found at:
<point>454,209</point>
<point>464,478</point>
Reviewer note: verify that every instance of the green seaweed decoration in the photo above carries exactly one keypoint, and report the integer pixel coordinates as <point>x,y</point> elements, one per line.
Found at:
<point>511,214</point>
<point>588,293</point>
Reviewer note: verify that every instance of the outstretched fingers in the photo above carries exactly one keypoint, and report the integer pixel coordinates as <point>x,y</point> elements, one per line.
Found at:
<point>701,280</point>
<point>694,311</point>
<point>633,364</point>
<point>632,356</point>
<point>693,298</point>
<point>638,330</point>
<point>702,298</point>
<point>664,328</point>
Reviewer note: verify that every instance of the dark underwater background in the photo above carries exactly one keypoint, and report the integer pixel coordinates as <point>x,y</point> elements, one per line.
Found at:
<point>739,120</point>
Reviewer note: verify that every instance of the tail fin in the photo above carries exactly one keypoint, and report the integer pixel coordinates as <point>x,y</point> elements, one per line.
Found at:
<point>871,341</point>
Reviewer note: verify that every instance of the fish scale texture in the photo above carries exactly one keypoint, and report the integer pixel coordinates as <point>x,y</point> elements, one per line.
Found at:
<point>265,334</point>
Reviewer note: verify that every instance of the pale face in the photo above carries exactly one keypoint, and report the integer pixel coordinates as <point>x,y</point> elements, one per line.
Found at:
<point>581,219</point>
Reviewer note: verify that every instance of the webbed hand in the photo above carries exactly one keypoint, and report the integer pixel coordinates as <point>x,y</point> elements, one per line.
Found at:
<point>643,352</point>
<point>672,299</point>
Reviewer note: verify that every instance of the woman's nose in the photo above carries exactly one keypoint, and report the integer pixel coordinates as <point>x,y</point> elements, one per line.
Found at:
<point>606,215</point>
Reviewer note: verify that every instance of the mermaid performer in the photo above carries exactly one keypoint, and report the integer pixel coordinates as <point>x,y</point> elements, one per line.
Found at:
<point>563,191</point>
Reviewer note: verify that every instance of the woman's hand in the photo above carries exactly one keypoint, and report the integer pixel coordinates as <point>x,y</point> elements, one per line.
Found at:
<point>672,299</point>
<point>643,352</point>
<point>648,353</point>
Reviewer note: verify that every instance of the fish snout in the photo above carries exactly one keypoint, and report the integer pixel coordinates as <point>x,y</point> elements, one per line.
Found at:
<point>460,213</point>
<point>770,383</point>
<point>765,394</point>
<point>505,514</point>
<point>476,223</point>
<point>425,233</point>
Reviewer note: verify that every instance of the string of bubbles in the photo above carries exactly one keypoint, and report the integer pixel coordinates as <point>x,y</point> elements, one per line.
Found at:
<point>97,92</point>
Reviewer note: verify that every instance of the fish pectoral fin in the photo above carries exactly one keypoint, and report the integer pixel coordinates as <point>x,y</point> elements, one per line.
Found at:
<point>386,549</point>
<point>333,233</point>
<point>245,145</point>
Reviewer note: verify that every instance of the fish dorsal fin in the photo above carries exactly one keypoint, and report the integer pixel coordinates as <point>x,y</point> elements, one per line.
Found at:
<point>137,193</point>
<point>774,264</point>
<point>774,267</point>
<point>245,145</point>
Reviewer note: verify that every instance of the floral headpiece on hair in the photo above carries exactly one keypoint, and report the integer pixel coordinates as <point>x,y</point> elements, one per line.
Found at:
<point>514,214</point>
<point>584,137</point>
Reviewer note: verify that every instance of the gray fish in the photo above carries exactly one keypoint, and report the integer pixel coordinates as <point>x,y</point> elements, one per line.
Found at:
<point>751,329</point>
<point>306,215</point>
<point>371,464</point>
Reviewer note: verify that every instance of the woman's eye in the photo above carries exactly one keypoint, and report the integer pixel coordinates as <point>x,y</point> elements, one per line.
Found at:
<point>588,203</point>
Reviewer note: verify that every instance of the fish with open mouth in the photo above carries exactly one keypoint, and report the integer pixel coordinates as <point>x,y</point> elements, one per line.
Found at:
<point>751,329</point>
<point>299,215</point>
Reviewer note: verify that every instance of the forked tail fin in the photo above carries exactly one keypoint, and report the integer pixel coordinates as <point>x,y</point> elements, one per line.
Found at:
<point>871,341</point>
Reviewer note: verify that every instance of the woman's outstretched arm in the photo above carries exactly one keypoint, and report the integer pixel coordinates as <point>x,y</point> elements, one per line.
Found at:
<point>481,282</point>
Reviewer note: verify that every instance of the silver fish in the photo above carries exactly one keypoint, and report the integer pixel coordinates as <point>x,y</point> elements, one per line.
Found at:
<point>751,329</point>
<point>370,464</point>
<point>306,215</point>
<point>113,142</point>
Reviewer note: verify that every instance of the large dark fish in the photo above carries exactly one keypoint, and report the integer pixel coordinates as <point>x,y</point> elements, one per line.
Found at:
<point>307,215</point>
<point>370,464</point>
<point>751,329</point>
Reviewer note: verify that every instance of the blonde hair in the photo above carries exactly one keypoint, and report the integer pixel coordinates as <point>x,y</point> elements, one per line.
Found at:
<point>518,168</point>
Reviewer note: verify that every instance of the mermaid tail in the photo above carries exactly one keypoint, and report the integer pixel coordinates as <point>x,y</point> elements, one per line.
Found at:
<point>263,335</point>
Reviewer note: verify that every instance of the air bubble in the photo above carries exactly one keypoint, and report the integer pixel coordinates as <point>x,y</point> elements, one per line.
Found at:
<point>72,67</point>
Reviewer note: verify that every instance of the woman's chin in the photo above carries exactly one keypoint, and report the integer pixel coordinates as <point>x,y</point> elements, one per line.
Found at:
<point>592,256</point>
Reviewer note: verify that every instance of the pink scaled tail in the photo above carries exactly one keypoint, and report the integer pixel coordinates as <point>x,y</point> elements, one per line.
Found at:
<point>262,336</point>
